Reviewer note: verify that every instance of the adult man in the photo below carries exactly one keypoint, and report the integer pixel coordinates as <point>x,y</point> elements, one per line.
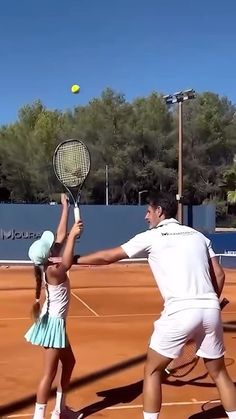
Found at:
<point>190,281</point>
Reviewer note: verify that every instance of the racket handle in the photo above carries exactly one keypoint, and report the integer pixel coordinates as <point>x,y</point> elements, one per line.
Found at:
<point>224,303</point>
<point>76,213</point>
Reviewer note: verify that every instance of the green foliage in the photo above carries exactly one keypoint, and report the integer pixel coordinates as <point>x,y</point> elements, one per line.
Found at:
<point>138,141</point>
<point>231,197</point>
<point>221,209</point>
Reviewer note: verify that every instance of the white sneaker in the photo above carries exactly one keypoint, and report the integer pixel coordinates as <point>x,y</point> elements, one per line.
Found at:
<point>67,413</point>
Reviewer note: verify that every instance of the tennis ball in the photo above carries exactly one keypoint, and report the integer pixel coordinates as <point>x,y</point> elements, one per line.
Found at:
<point>75,88</point>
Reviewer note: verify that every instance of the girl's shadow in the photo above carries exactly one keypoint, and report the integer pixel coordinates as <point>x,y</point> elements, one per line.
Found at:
<point>111,397</point>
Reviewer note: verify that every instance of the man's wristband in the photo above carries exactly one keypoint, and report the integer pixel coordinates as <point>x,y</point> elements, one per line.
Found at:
<point>75,259</point>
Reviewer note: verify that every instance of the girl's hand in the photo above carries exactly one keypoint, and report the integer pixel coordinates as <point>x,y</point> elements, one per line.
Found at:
<point>65,200</point>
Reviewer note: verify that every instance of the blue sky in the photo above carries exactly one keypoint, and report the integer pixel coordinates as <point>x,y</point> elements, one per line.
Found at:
<point>132,46</point>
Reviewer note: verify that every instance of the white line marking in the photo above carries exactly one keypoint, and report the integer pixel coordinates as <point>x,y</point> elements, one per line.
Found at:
<point>229,312</point>
<point>86,305</point>
<point>127,315</point>
<point>135,406</point>
<point>114,315</point>
<point>88,316</point>
<point>12,318</point>
<point>22,415</point>
<point>138,406</point>
<point>96,315</point>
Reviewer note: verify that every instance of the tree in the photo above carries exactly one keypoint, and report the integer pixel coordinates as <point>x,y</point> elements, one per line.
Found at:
<point>209,143</point>
<point>26,149</point>
<point>231,197</point>
<point>138,141</point>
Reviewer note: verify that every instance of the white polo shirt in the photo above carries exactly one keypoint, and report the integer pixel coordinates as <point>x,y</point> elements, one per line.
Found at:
<point>178,256</point>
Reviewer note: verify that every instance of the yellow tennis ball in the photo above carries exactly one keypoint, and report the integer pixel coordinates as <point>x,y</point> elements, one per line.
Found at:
<point>75,88</point>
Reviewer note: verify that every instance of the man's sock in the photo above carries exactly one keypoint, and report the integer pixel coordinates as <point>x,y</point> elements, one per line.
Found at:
<point>150,415</point>
<point>231,415</point>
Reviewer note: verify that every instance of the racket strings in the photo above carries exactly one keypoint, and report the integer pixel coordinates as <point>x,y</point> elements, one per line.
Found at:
<point>72,163</point>
<point>185,362</point>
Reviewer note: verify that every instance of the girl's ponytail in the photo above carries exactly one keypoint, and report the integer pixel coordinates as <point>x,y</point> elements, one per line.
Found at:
<point>36,306</point>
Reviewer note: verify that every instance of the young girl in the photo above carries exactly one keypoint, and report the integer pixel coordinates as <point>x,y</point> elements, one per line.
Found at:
<point>49,329</point>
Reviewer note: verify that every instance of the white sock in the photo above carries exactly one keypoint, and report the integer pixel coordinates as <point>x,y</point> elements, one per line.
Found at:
<point>39,411</point>
<point>60,401</point>
<point>150,415</point>
<point>231,415</point>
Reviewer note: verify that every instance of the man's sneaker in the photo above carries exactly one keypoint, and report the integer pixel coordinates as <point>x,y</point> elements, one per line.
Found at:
<point>66,413</point>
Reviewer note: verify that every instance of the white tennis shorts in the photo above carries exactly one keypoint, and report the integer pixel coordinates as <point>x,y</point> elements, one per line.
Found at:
<point>172,331</point>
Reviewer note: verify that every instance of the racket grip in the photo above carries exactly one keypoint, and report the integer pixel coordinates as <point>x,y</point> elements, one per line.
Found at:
<point>76,213</point>
<point>224,303</point>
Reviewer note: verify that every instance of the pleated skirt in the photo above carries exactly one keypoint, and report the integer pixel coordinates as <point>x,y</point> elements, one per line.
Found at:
<point>49,332</point>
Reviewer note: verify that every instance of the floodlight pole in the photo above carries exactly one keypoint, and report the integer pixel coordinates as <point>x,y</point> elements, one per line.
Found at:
<point>107,183</point>
<point>179,98</point>
<point>180,165</point>
<point>140,194</point>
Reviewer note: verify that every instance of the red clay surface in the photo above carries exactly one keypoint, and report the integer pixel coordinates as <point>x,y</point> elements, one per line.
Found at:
<point>110,321</point>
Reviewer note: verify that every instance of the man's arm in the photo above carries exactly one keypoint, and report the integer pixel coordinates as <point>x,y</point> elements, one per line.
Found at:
<point>139,243</point>
<point>217,275</point>
<point>103,257</point>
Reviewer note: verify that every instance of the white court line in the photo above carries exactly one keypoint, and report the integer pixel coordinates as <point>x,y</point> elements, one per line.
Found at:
<point>123,315</point>
<point>229,312</point>
<point>136,406</point>
<point>12,318</point>
<point>88,316</point>
<point>96,315</point>
<point>86,305</point>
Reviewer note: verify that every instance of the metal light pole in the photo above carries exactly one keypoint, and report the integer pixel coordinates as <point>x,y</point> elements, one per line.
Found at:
<point>180,165</point>
<point>180,97</point>
<point>107,184</point>
<point>140,194</point>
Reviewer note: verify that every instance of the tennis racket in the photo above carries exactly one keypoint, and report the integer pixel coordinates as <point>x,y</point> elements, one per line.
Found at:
<point>71,164</point>
<point>188,359</point>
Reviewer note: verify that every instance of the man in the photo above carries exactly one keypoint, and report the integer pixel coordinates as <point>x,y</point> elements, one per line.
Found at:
<point>190,281</point>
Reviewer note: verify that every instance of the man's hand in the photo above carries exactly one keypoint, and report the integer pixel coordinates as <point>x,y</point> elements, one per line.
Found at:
<point>217,275</point>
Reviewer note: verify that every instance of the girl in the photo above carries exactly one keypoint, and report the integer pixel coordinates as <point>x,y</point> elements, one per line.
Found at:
<point>49,329</point>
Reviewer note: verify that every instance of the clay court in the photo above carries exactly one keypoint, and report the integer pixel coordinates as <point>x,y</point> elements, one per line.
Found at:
<point>109,324</point>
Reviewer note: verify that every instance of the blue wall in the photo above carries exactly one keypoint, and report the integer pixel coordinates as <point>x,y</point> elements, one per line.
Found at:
<point>201,217</point>
<point>104,226</point>
<point>223,242</point>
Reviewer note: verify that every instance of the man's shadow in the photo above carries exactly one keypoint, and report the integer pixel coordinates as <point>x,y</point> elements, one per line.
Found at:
<point>128,393</point>
<point>213,413</point>
<point>124,394</point>
<point>111,397</point>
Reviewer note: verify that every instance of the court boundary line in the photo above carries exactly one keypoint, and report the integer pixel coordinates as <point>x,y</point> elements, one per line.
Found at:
<point>136,406</point>
<point>87,316</point>
<point>84,303</point>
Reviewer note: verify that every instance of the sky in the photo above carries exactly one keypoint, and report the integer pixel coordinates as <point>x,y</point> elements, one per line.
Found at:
<point>133,46</point>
